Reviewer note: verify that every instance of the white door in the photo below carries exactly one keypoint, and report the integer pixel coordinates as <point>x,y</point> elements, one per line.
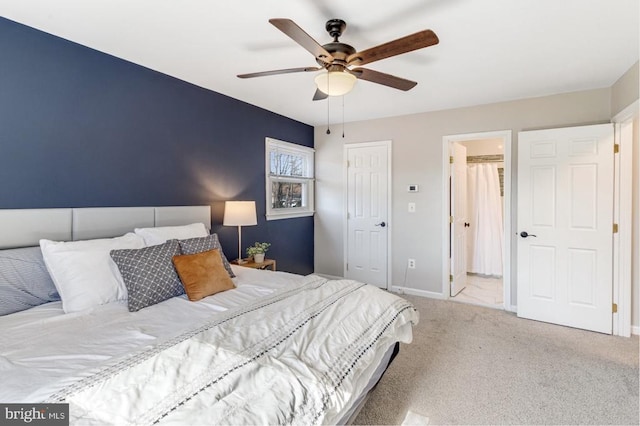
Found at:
<point>459,219</point>
<point>565,226</point>
<point>367,212</point>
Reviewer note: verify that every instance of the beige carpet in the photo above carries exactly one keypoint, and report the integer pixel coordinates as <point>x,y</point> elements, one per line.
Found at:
<point>474,365</point>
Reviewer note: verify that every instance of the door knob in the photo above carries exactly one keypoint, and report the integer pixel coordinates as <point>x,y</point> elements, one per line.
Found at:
<point>525,234</point>
<point>381,224</point>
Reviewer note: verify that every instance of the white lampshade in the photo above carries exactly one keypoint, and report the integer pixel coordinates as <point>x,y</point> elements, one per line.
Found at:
<point>335,83</point>
<point>239,213</point>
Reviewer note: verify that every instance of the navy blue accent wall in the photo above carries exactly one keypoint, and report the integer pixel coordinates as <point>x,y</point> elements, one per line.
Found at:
<point>80,128</point>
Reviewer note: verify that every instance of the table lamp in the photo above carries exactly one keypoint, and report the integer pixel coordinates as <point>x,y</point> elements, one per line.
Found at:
<point>240,213</point>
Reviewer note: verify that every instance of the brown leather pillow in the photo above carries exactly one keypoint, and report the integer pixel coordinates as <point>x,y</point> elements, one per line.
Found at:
<point>202,274</point>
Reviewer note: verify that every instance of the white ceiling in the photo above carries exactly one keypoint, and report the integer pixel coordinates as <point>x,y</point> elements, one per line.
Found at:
<point>489,51</point>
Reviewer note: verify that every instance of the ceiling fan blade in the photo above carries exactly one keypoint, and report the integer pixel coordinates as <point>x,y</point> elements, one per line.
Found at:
<point>319,95</point>
<point>402,45</point>
<point>384,79</point>
<point>298,35</point>
<point>275,72</point>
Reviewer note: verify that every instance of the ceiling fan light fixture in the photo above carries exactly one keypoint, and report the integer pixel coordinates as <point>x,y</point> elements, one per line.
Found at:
<point>335,83</point>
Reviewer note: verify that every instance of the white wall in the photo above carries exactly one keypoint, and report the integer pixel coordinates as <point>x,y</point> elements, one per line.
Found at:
<point>417,159</point>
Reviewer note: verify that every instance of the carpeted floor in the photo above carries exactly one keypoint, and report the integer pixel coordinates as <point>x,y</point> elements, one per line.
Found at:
<point>475,365</point>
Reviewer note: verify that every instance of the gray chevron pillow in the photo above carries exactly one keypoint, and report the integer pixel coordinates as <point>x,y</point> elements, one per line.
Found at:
<point>148,274</point>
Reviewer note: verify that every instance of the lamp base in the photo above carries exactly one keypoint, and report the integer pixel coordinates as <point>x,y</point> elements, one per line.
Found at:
<point>241,261</point>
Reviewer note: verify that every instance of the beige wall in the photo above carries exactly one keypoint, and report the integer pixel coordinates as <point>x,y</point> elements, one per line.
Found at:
<point>624,92</point>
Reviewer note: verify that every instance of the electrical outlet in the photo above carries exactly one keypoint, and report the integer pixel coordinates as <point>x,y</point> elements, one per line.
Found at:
<point>412,264</point>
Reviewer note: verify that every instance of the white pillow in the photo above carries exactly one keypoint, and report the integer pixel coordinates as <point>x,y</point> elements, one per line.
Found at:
<point>159,235</point>
<point>84,273</point>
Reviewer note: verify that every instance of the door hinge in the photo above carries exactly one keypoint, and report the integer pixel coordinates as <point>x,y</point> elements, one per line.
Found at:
<point>347,266</point>
<point>450,278</point>
<point>450,160</point>
<point>450,219</point>
<point>616,148</point>
<point>614,308</point>
<point>615,228</point>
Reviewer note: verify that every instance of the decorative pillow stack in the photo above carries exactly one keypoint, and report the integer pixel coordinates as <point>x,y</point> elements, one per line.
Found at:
<point>191,260</point>
<point>138,267</point>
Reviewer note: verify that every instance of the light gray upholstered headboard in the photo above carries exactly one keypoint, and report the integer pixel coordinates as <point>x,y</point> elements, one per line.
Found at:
<point>25,227</point>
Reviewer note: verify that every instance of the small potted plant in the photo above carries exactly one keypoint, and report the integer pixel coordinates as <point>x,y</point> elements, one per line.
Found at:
<point>257,251</point>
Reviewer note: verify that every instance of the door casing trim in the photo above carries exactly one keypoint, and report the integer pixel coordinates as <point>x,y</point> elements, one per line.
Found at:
<point>505,135</point>
<point>622,213</point>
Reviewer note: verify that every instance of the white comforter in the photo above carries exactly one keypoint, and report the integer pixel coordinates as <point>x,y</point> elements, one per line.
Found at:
<point>300,355</point>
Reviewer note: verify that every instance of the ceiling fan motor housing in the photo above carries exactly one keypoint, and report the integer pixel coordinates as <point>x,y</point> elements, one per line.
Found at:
<point>335,28</point>
<point>339,51</point>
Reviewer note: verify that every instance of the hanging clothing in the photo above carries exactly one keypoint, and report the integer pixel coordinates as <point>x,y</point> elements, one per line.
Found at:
<point>486,232</point>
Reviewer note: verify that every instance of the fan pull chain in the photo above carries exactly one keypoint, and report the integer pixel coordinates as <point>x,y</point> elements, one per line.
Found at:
<point>328,98</point>
<point>328,130</point>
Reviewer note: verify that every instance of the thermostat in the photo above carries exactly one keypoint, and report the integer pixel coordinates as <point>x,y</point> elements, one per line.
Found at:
<point>413,188</point>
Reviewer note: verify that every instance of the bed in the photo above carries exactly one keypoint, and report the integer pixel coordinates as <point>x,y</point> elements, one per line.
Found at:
<point>276,348</point>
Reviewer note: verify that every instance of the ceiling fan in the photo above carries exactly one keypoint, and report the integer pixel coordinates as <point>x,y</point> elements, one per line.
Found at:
<point>338,58</point>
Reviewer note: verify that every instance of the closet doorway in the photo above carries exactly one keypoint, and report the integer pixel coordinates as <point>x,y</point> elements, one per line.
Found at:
<point>477,170</point>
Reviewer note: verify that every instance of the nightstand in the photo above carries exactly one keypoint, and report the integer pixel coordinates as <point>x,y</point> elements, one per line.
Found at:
<point>267,264</point>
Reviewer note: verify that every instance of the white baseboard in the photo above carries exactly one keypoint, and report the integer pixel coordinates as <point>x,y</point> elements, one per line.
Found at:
<point>635,330</point>
<point>435,295</point>
<point>416,292</point>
